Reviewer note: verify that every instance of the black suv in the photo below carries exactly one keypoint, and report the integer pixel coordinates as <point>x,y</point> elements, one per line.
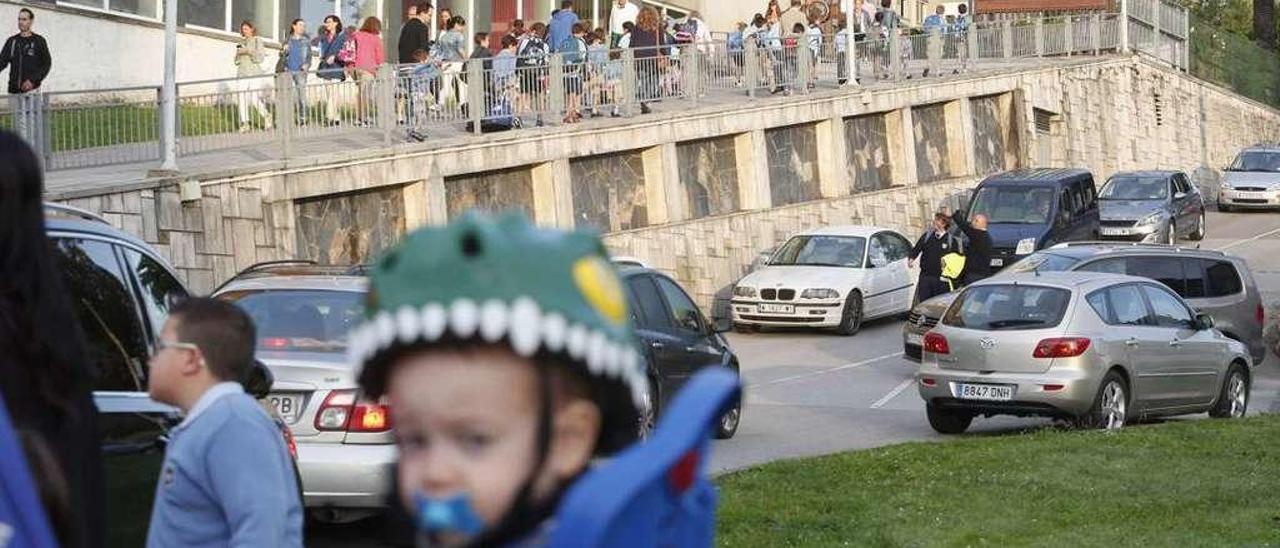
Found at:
<point>677,341</point>
<point>122,291</point>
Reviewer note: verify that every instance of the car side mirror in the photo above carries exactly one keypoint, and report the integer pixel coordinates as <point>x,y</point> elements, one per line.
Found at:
<point>1204,322</point>
<point>258,381</point>
<point>1180,195</point>
<point>722,325</point>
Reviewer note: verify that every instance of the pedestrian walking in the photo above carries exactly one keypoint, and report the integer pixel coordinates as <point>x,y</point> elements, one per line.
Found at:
<point>561,25</point>
<point>622,12</point>
<point>297,62</point>
<point>330,43</point>
<point>250,52</point>
<point>26,55</point>
<point>415,34</point>
<point>46,372</point>
<point>647,41</point>
<point>369,56</point>
<point>937,242</point>
<point>227,478</point>
<point>532,60</point>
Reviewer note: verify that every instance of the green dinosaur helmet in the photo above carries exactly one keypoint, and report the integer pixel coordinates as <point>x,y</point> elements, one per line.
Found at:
<point>502,280</point>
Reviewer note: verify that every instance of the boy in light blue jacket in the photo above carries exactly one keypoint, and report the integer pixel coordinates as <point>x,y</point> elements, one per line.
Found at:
<point>227,479</point>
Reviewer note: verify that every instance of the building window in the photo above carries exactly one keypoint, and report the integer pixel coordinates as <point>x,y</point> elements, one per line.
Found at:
<point>144,8</point>
<point>210,14</point>
<point>261,12</point>
<point>354,12</point>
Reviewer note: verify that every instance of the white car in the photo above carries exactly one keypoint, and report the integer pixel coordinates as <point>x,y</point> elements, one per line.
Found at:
<point>834,277</point>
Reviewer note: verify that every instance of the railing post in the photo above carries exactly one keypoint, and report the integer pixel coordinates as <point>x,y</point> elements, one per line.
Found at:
<point>751,61</point>
<point>1039,36</point>
<point>971,45</point>
<point>475,93</point>
<point>1186,39</point>
<point>850,55</point>
<point>933,51</point>
<point>1124,26</point>
<point>385,84</point>
<point>1095,33</point>
<point>895,55</point>
<point>691,64</point>
<point>1156,37</point>
<point>802,55</point>
<point>628,81</point>
<point>284,113</point>
<point>1006,39</point>
<point>555,87</point>
<point>1069,35</point>
<point>162,111</point>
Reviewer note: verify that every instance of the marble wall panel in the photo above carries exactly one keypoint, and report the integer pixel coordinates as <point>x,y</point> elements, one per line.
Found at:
<point>793,164</point>
<point>709,175</point>
<point>492,191</point>
<point>930,130</point>
<point>867,140</point>
<point>349,228</point>
<point>609,191</point>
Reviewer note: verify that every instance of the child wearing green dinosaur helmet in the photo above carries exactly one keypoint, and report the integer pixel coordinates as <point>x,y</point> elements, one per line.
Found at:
<point>507,357</point>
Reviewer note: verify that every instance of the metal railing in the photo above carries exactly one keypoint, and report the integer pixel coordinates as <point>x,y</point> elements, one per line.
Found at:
<point>286,115</point>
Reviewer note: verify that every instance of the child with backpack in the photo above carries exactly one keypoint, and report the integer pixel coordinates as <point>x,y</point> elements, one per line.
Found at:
<point>574,52</point>
<point>533,58</point>
<point>508,377</point>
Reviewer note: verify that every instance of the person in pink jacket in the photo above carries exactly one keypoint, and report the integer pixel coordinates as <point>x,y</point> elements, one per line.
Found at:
<point>369,56</point>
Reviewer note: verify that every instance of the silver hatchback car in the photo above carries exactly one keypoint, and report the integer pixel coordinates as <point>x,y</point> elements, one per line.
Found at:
<point>1098,349</point>
<point>345,446</point>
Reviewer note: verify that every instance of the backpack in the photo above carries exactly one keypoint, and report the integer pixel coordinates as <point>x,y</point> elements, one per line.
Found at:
<point>532,54</point>
<point>347,55</point>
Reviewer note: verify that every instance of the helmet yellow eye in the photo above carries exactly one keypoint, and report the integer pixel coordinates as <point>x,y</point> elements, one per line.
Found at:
<point>599,285</point>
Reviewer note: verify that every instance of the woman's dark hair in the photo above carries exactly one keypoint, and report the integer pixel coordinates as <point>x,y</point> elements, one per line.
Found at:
<point>455,22</point>
<point>481,37</point>
<point>248,23</point>
<point>294,23</point>
<point>758,20</point>
<point>40,338</point>
<point>337,29</point>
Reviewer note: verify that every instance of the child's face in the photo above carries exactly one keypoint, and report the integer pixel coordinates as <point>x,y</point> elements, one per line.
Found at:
<point>467,423</point>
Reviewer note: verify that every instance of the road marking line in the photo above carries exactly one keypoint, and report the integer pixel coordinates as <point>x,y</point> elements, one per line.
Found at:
<point>893,394</point>
<point>1247,240</point>
<point>825,371</point>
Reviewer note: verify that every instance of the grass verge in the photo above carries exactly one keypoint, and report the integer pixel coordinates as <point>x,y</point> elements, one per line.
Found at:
<point>1191,483</point>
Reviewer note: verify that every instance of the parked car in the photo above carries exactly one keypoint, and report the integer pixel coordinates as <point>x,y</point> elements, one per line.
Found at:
<point>122,292</point>
<point>1099,349</point>
<point>303,312</point>
<point>1030,209</point>
<point>1252,181</point>
<point>677,342</point>
<point>834,277</point>
<point>1211,282</point>
<point>1151,207</point>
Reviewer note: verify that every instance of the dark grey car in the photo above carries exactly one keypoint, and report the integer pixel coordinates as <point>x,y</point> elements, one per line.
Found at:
<point>1211,282</point>
<point>1151,207</point>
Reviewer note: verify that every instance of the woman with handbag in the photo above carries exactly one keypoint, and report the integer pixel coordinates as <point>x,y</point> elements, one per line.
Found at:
<point>651,59</point>
<point>330,42</point>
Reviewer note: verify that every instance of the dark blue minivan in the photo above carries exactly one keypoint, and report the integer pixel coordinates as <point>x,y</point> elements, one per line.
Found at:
<point>1031,209</point>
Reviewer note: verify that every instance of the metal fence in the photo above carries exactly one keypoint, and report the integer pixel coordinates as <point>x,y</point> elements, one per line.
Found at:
<point>285,115</point>
<point>1232,61</point>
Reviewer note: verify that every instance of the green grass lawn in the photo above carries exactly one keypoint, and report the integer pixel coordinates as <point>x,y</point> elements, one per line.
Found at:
<point>1190,483</point>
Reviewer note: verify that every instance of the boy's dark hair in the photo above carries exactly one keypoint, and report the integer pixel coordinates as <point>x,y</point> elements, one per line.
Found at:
<point>629,26</point>
<point>30,14</point>
<point>579,28</point>
<point>420,54</point>
<point>424,7</point>
<point>509,41</point>
<point>223,331</point>
<point>566,5</point>
<point>455,22</point>
<point>799,28</point>
<point>481,37</point>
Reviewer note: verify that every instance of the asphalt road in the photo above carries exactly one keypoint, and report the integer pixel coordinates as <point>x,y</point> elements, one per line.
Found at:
<point>817,393</point>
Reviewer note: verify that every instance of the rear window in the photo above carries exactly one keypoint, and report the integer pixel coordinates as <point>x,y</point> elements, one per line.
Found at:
<point>1223,279</point>
<point>301,320</point>
<point>1042,262</point>
<point>1008,307</point>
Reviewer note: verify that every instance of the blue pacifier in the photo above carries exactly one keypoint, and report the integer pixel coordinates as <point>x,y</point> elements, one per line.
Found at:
<point>446,515</point>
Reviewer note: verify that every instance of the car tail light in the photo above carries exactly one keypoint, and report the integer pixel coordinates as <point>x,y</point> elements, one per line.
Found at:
<point>1066,347</point>
<point>274,342</point>
<point>289,441</point>
<point>928,382</point>
<point>341,411</point>
<point>936,343</point>
<point>1260,314</point>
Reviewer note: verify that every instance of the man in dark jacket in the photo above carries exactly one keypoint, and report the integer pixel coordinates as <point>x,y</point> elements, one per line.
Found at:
<point>415,35</point>
<point>935,243</point>
<point>26,55</point>
<point>977,264</point>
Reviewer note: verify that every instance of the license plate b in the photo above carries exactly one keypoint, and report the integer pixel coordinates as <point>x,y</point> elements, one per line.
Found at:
<point>286,406</point>
<point>985,392</point>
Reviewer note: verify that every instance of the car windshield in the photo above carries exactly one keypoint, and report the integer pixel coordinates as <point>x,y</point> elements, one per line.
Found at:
<point>842,251</point>
<point>1008,307</point>
<point>301,320</point>
<point>1135,188</point>
<point>1256,160</point>
<point>1042,261</point>
<point>1015,204</point>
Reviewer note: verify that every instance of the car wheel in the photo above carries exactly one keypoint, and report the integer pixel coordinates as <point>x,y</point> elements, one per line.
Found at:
<point>851,320</point>
<point>1111,405</point>
<point>948,422</point>
<point>1234,399</point>
<point>728,425</point>
<point>649,415</point>
<point>1172,237</point>
<point>1200,229</point>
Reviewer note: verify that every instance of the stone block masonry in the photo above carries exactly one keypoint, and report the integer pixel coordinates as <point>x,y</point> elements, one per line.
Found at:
<point>700,193</point>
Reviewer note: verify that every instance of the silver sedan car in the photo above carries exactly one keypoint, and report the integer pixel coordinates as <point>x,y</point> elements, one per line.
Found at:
<point>345,445</point>
<point>1097,349</point>
<point>1151,207</point>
